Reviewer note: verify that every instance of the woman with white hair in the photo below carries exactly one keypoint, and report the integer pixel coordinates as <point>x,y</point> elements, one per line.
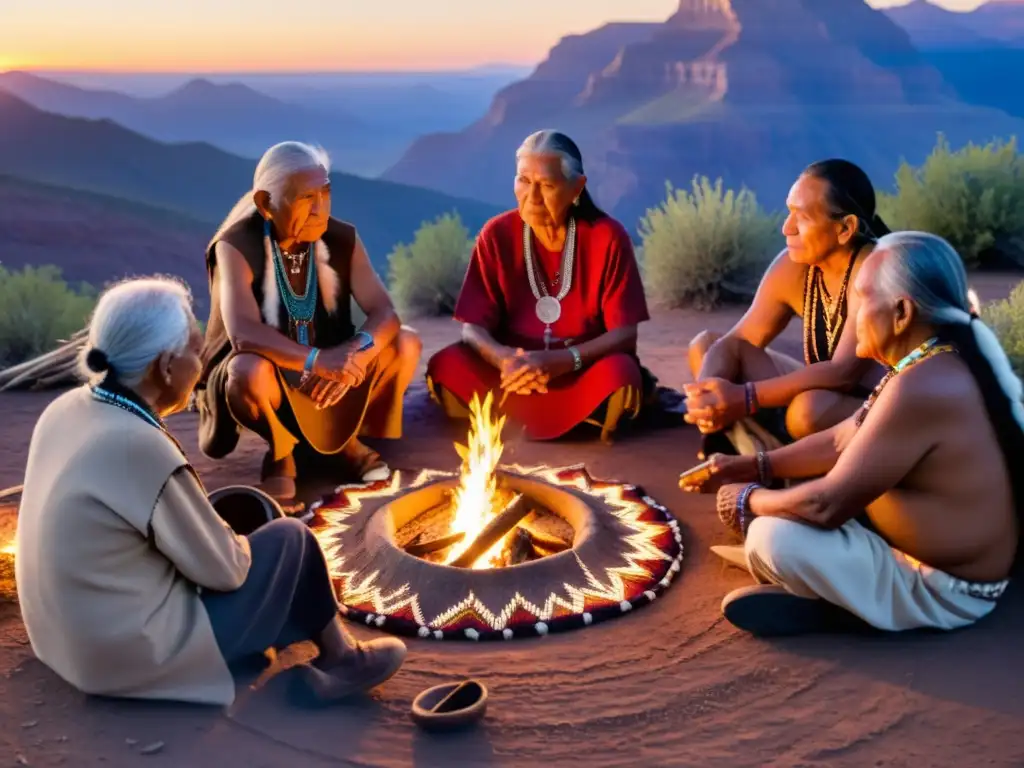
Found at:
<point>130,583</point>
<point>550,306</point>
<point>933,457</point>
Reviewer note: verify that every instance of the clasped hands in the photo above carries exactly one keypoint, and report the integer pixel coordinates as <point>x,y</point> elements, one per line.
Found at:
<point>335,372</point>
<point>714,404</point>
<point>523,373</point>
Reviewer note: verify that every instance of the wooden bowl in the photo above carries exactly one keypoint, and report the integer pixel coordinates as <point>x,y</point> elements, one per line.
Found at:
<point>450,706</point>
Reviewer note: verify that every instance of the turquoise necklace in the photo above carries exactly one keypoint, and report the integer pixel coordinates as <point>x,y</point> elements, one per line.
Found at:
<point>125,404</point>
<point>928,349</point>
<point>300,308</point>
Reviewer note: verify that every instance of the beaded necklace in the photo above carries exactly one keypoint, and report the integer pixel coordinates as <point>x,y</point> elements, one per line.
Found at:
<point>126,404</point>
<point>930,348</point>
<point>300,309</point>
<point>833,312</point>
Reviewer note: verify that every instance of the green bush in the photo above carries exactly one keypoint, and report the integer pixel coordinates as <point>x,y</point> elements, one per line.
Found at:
<point>427,275</point>
<point>37,310</point>
<point>974,198</point>
<point>1006,319</point>
<point>707,246</point>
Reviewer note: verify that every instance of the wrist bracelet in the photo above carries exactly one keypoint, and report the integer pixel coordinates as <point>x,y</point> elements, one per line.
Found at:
<point>764,469</point>
<point>307,368</point>
<point>577,359</point>
<point>741,508</point>
<point>750,391</point>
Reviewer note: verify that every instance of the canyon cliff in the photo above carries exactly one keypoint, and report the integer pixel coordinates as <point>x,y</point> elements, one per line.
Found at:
<point>748,90</point>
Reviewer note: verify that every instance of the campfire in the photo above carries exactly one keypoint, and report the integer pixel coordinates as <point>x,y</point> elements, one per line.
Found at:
<point>493,551</point>
<point>484,523</point>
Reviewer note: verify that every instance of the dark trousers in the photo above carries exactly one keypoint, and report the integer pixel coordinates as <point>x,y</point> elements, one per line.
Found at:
<point>286,598</point>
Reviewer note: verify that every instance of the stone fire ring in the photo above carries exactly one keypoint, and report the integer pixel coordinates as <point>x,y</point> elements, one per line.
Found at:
<point>626,551</point>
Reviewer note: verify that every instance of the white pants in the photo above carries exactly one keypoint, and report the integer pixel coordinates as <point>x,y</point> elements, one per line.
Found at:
<point>857,570</point>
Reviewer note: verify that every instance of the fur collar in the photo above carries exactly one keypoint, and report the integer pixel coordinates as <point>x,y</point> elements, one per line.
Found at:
<point>327,283</point>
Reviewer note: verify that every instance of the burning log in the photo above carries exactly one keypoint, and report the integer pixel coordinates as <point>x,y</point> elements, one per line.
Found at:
<point>420,548</point>
<point>520,548</point>
<point>494,531</point>
<point>545,543</point>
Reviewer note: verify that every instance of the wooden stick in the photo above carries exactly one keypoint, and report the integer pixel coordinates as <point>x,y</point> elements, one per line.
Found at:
<point>426,547</point>
<point>67,375</point>
<point>17,375</point>
<point>492,533</point>
<point>14,491</point>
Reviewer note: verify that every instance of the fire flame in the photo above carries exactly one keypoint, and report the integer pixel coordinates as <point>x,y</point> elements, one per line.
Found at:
<point>476,499</point>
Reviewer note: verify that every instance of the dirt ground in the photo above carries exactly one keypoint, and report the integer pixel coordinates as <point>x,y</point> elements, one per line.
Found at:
<point>672,684</point>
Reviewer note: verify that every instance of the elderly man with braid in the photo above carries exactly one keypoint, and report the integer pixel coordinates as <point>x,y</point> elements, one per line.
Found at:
<point>549,307</point>
<point>933,457</point>
<point>282,357</point>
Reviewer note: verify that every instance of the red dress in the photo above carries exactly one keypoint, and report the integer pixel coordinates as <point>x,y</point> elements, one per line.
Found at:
<point>606,293</point>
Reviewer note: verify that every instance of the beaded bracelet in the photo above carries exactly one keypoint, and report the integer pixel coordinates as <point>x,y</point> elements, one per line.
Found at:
<point>741,507</point>
<point>750,391</point>
<point>732,508</point>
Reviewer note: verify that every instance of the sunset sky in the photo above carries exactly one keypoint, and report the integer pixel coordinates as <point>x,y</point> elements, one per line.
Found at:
<point>330,35</point>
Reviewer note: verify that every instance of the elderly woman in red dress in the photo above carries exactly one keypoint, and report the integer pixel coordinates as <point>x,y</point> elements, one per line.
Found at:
<point>550,306</point>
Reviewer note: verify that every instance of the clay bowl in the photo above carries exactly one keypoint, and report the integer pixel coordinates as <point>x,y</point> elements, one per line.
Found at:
<point>449,706</point>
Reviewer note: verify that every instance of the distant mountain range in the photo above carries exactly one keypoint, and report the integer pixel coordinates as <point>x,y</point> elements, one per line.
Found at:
<point>996,22</point>
<point>194,181</point>
<point>749,90</point>
<point>365,120</point>
<point>980,53</point>
<point>96,238</point>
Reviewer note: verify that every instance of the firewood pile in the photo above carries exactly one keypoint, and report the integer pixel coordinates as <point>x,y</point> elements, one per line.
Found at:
<point>57,368</point>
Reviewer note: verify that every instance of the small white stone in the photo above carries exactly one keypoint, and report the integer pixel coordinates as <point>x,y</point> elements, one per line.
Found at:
<point>673,524</point>
<point>438,634</point>
<point>423,632</point>
<point>379,621</point>
<point>369,618</point>
<point>472,634</point>
<point>650,502</point>
<point>588,619</point>
<point>649,595</point>
<point>625,605</point>
<point>506,633</point>
<point>674,567</point>
<point>665,582</point>
<point>541,627</point>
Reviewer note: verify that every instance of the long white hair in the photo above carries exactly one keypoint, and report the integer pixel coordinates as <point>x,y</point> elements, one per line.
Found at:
<point>278,164</point>
<point>930,273</point>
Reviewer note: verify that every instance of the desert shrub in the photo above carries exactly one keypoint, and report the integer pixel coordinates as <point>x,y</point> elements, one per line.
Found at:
<point>973,197</point>
<point>1006,319</point>
<point>706,246</point>
<point>37,310</point>
<point>426,275</point>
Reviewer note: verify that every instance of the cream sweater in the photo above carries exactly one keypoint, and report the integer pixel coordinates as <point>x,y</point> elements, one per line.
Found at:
<point>115,538</point>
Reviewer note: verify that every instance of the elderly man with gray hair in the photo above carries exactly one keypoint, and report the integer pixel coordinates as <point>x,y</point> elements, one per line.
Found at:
<point>932,458</point>
<point>282,357</point>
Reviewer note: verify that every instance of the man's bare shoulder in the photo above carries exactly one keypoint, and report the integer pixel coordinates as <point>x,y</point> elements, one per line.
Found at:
<point>784,279</point>
<point>936,386</point>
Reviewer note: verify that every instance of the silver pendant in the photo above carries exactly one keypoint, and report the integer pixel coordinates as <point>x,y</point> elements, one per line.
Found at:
<point>548,309</point>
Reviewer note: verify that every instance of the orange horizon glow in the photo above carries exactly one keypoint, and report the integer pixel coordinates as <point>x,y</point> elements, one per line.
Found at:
<point>123,36</point>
